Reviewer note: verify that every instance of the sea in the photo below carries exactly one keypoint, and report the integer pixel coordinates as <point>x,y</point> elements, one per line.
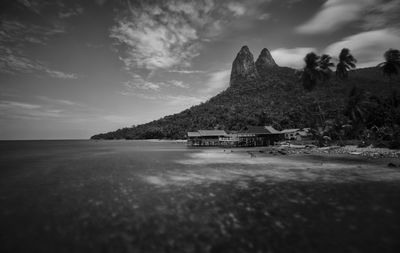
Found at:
<point>162,196</point>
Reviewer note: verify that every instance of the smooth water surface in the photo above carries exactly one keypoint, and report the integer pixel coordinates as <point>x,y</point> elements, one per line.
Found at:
<point>149,196</point>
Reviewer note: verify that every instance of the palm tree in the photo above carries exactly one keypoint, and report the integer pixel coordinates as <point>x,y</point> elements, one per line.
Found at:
<point>346,62</point>
<point>325,64</point>
<point>391,65</point>
<point>311,73</point>
<point>355,108</point>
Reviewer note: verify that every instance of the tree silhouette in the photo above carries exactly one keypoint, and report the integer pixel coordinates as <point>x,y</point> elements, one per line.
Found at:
<point>356,104</point>
<point>346,62</point>
<point>311,73</point>
<point>325,64</point>
<point>391,65</point>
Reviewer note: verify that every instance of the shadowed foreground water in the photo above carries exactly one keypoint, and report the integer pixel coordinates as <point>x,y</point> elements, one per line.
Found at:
<point>137,196</point>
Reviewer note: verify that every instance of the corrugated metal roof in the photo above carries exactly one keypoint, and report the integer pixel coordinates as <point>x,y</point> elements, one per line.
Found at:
<point>262,130</point>
<point>257,130</point>
<point>193,134</point>
<point>272,130</point>
<point>285,131</point>
<point>212,132</point>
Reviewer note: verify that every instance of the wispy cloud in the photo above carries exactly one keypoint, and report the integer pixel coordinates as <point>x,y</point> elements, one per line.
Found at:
<point>70,12</point>
<point>59,74</point>
<point>138,82</point>
<point>22,110</point>
<point>169,34</point>
<point>186,71</point>
<point>291,57</point>
<point>43,107</point>
<point>15,33</point>
<point>264,16</point>
<point>337,13</point>
<point>217,81</point>
<point>236,8</point>
<point>17,36</point>
<point>382,15</point>
<point>157,39</point>
<point>178,84</point>
<point>14,104</point>
<point>14,61</point>
<point>58,101</point>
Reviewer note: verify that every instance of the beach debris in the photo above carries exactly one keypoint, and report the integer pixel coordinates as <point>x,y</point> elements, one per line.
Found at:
<point>282,152</point>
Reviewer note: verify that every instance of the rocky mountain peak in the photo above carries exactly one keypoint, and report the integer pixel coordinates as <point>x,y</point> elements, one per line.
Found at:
<point>243,67</point>
<point>265,59</point>
<point>264,63</point>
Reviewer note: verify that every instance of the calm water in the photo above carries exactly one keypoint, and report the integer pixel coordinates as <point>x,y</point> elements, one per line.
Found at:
<point>141,196</point>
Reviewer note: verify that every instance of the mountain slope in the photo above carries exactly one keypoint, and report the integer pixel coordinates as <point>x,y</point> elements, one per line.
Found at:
<point>260,93</point>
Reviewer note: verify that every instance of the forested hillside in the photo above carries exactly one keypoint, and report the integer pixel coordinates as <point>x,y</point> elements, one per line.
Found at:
<point>271,95</point>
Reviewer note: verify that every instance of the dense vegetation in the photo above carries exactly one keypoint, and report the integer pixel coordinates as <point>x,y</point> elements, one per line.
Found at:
<point>359,104</point>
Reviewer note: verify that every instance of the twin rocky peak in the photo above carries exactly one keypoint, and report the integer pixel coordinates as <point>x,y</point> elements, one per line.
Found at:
<point>245,69</point>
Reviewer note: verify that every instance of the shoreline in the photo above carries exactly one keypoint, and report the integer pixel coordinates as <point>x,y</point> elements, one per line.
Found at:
<point>352,150</point>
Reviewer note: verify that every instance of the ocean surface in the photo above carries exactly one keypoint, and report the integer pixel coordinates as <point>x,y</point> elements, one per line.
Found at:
<point>152,196</point>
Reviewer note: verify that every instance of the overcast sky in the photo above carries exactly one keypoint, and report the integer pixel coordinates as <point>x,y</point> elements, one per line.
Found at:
<point>71,69</point>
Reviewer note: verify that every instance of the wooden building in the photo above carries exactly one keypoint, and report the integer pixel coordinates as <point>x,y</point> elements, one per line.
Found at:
<point>254,136</point>
<point>296,133</point>
<point>205,137</point>
<point>264,135</point>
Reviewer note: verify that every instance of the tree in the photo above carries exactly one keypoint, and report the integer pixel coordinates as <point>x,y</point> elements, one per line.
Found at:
<point>355,108</point>
<point>311,73</point>
<point>346,62</point>
<point>391,65</point>
<point>325,64</point>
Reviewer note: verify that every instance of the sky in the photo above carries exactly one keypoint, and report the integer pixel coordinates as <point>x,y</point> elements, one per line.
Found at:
<point>70,69</point>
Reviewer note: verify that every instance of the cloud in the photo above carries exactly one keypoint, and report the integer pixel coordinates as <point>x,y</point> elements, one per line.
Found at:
<point>236,8</point>
<point>70,12</point>
<point>16,33</point>
<point>14,104</point>
<point>58,101</point>
<point>368,47</point>
<point>291,57</point>
<point>168,34</point>
<point>22,110</point>
<point>60,75</point>
<point>157,39</point>
<point>179,84</point>
<point>337,13</point>
<point>186,71</point>
<point>63,9</point>
<point>13,62</point>
<point>137,82</point>
<point>382,15</point>
<point>264,16</point>
<point>217,81</point>
<point>43,107</point>
<point>15,37</point>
